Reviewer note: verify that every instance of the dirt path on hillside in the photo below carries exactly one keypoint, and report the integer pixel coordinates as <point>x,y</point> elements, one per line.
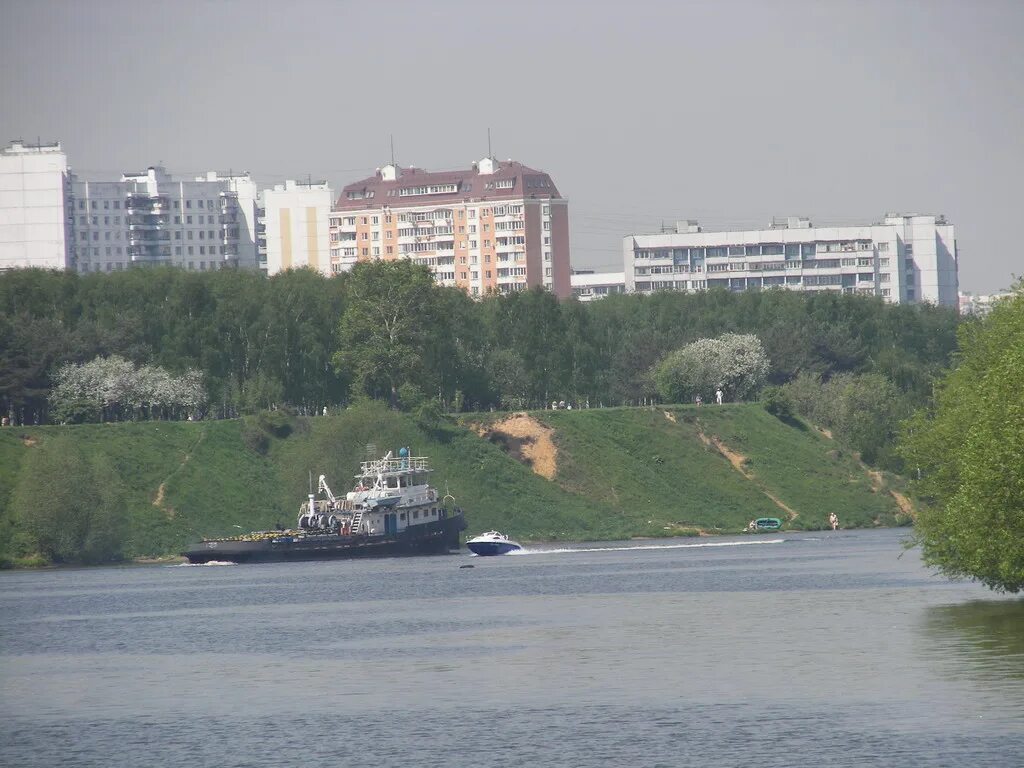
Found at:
<point>158,502</point>
<point>738,461</point>
<point>527,441</point>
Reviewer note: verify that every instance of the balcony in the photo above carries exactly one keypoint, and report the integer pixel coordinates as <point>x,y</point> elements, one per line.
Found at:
<point>145,204</point>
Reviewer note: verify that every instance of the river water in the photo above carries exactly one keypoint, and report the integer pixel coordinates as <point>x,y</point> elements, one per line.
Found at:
<point>774,650</point>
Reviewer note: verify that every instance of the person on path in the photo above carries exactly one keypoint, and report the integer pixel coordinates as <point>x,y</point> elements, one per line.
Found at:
<point>697,400</point>
<point>718,396</point>
<point>833,520</point>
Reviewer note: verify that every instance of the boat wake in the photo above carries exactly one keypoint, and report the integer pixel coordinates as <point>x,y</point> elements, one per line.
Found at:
<point>566,550</point>
<point>201,565</point>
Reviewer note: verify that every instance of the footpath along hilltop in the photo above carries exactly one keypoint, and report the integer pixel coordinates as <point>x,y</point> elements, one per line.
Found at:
<point>146,489</point>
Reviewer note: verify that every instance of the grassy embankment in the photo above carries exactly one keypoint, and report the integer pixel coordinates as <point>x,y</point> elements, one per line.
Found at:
<point>616,473</point>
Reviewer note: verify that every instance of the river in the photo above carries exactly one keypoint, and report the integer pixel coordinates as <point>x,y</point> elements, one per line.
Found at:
<point>834,649</point>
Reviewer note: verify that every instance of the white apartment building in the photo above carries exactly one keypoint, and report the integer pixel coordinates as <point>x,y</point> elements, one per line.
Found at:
<point>34,190</point>
<point>979,305</point>
<point>588,285</point>
<point>498,226</point>
<point>294,227</point>
<point>149,218</point>
<point>904,258</point>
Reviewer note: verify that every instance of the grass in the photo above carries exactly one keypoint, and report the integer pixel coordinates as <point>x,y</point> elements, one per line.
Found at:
<point>621,473</point>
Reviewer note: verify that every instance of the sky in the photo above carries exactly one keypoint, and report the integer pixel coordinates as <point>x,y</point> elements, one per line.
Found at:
<point>730,112</point>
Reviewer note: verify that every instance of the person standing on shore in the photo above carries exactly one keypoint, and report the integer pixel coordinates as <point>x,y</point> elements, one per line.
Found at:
<point>833,520</point>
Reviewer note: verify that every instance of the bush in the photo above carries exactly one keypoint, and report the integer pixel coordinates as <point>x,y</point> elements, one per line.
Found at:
<point>80,518</point>
<point>777,402</point>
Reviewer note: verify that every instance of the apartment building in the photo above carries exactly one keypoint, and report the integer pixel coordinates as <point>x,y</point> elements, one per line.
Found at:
<point>149,218</point>
<point>294,222</point>
<point>903,258</point>
<point>588,284</point>
<point>496,227</point>
<point>34,191</point>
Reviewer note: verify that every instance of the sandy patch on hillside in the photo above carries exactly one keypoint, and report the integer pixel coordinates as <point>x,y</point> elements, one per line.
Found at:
<point>527,440</point>
<point>29,441</point>
<point>878,483</point>
<point>739,462</point>
<point>670,416</point>
<point>906,506</point>
<point>876,480</point>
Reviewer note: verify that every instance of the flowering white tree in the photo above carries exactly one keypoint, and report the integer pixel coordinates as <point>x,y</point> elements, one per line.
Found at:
<point>112,387</point>
<point>735,363</point>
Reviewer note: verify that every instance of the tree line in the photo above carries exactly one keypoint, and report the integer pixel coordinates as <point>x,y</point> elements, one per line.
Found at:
<point>385,330</point>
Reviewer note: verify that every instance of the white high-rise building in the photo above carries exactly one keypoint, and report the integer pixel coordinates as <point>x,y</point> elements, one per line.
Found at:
<point>149,218</point>
<point>904,258</point>
<point>34,188</point>
<point>296,223</point>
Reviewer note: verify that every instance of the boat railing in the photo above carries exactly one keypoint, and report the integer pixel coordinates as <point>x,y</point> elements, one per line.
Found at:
<point>391,466</point>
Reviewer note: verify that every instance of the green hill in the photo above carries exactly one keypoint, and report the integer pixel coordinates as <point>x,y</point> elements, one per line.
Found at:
<point>147,489</point>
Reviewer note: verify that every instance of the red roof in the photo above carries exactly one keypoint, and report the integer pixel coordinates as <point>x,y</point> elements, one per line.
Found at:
<point>469,184</point>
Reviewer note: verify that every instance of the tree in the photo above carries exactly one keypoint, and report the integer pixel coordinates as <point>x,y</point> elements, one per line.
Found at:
<point>968,450</point>
<point>736,363</point>
<point>387,325</point>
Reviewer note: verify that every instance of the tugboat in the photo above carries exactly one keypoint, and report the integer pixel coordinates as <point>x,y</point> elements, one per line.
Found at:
<point>492,543</point>
<point>391,511</point>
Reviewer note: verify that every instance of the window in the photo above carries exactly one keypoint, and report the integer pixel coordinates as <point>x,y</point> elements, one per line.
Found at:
<point>202,250</point>
<point>375,220</point>
<point>190,251</point>
<point>188,203</point>
<point>188,219</point>
<point>366,251</point>
<point>106,205</point>
<point>376,250</point>
<point>390,249</point>
<point>95,220</point>
<point>177,234</point>
<point>177,205</point>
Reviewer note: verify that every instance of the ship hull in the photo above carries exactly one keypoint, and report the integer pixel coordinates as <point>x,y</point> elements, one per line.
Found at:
<point>435,538</point>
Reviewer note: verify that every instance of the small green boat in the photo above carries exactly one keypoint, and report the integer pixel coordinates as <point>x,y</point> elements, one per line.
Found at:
<point>765,524</point>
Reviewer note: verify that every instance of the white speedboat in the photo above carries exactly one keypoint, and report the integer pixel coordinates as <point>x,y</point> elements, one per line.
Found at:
<point>492,543</point>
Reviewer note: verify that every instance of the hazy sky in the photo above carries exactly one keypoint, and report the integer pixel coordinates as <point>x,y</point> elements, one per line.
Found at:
<point>642,112</point>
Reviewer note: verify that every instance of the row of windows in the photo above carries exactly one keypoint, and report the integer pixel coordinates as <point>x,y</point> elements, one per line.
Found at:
<point>432,189</point>
<point>739,284</point>
<point>94,205</point>
<point>789,250</point>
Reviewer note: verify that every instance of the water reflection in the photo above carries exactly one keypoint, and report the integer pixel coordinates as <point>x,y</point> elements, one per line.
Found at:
<point>978,639</point>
